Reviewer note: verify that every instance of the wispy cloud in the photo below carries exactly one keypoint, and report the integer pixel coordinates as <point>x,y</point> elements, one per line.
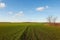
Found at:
<point>10,12</point>
<point>46,6</point>
<point>41,8</point>
<point>2,5</point>
<point>19,14</point>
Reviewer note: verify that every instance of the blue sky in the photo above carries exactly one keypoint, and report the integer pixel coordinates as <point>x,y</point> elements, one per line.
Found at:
<point>28,10</point>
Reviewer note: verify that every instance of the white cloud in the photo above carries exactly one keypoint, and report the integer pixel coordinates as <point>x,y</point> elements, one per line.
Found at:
<point>2,5</point>
<point>46,7</point>
<point>10,12</point>
<point>41,8</point>
<point>19,14</point>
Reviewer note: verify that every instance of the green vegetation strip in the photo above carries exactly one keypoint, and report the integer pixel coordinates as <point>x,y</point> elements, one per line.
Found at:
<point>28,31</point>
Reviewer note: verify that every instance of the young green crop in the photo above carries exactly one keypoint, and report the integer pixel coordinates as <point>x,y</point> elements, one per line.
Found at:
<point>28,31</point>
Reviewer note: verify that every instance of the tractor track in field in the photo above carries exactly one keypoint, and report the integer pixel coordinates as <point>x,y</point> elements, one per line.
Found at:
<point>23,36</point>
<point>39,34</point>
<point>29,35</point>
<point>37,38</point>
<point>17,34</point>
<point>13,36</point>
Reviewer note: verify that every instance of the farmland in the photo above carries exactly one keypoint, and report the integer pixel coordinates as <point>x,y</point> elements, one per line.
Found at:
<point>28,31</point>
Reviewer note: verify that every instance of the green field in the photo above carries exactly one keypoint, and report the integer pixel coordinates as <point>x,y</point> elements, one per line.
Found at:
<point>28,31</point>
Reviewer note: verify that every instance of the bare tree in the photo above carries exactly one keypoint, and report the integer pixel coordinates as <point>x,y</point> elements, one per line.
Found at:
<point>54,20</point>
<point>51,19</point>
